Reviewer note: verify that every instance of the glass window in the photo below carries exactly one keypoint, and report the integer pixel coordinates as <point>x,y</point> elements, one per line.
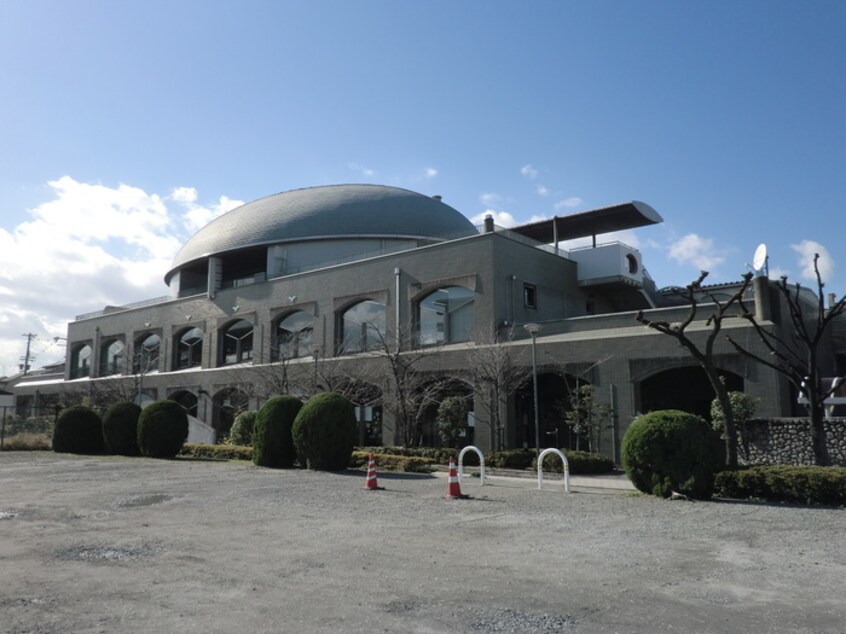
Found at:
<point>81,361</point>
<point>147,353</point>
<point>362,327</point>
<point>447,315</point>
<point>530,296</point>
<point>294,336</point>
<point>238,342</point>
<point>189,348</point>
<point>111,357</point>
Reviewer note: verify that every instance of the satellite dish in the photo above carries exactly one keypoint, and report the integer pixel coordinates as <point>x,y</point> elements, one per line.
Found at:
<point>759,262</point>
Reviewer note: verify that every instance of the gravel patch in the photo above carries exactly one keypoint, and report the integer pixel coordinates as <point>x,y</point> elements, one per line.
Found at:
<point>140,545</point>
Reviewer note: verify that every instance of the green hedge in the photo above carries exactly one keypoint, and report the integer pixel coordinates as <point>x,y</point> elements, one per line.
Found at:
<point>437,455</point>
<point>120,428</point>
<point>273,443</point>
<point>79,429</point>
<point>243,427</point>
<point>781,483</point>
<point>217,452</point>
<point>162,429</point>
<point>325,431</point>
<point>393,462</point>
<point>670,451</point>
<point>580,462</point>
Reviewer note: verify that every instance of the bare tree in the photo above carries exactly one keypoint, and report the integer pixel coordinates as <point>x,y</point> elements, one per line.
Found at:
<point>408,389</point>
<point>585,415</point>
<point>797,355</point>
<point>497,373</point>
<point>705,355</point>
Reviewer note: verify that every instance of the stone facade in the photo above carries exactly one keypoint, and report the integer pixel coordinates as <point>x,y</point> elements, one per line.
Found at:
<point>787,441</point>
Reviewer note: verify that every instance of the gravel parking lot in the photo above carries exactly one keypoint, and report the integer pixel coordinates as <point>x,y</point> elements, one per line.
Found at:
<point>109,544</point>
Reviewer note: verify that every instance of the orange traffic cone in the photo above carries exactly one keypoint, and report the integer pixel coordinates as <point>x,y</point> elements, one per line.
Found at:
<point>453,485</point>
<point>370,483</point>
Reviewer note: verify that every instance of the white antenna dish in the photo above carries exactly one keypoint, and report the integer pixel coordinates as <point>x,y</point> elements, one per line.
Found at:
<point>759,262</point>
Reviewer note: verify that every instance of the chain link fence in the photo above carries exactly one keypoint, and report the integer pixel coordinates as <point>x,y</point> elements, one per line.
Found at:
<point>33,430</point>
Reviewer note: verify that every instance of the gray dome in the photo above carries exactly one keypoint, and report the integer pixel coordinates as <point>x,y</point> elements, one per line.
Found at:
<point>333,211</point>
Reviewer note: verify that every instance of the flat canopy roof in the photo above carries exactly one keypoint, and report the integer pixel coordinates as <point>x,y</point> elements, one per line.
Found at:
<point>591,223</point>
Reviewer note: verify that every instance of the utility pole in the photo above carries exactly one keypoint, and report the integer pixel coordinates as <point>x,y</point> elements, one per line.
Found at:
<point>28,357</point>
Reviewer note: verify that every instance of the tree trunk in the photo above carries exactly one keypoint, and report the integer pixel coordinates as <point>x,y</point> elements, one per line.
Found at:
<point>816,426</point>
<point>728,416</point>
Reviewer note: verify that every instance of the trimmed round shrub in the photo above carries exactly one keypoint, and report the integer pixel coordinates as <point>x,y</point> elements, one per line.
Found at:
<point>162,429</point>
<point>667,451</point>
<point>78,430</point>
<point>325,432</point>
<point>273,445</point>
<point>120,428</point>
<point>242,429</point>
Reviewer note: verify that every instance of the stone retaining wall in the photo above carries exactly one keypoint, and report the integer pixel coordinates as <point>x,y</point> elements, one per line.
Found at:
<point>788,441</point>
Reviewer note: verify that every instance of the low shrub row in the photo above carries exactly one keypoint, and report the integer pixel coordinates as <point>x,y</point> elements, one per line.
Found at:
<point>781,483</point>
<point>217,452</point>
<point>437,455</point>
<point>393,462</point>
<point>580,462</point>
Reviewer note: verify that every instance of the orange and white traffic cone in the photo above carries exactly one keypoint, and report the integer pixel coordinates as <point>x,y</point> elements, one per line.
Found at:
<point>370,483</point>
<point>453,485</point>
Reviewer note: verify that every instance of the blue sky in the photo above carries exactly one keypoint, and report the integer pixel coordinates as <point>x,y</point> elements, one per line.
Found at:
<point>128,124</point>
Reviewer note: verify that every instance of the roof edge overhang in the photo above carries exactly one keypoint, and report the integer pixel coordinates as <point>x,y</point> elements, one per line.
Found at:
<point>594,222</point>
<point>299,240</point>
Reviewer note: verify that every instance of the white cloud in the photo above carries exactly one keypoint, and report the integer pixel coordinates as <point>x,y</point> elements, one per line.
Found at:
<point>538,218</point>
<point>529,172</point>
<point>697,251</point>
<point>806,250</point>
<point>184,195</point>
<point>568,203</point>
<point>89,246</point>
<point>196,216</point>
<point>363,170</point>
<point>542,190</point>
<point>776,273</point>
<point>501,218</point>
<point>489,199</point>
<point>430,172</point>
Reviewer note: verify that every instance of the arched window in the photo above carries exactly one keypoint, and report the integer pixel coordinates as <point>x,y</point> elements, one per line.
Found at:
<point>294,336</point>
<point>188,401</point>
<point>189,348</point>
<point>147,353</point>
<point>447,315</point>
<point>80,361</point>
<point>362,327</point>
<point>237,342</point>
<point>111,357</point>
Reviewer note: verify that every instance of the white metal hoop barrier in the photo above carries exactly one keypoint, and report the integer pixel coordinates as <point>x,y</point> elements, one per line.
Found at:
<point>481,463</point>
<point>561,455</point>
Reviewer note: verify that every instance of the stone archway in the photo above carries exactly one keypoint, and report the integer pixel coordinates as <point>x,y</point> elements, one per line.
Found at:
<point>435,392</point>
<point>553,391</point>
<point>188,401</point>
<point>226,405</point>
<point>686,388</point>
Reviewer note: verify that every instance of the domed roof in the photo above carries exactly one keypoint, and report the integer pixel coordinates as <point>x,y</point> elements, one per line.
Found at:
<point>332,211</point>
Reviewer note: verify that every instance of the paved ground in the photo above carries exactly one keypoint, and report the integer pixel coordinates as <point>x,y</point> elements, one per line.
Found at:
<point>106,544</point>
